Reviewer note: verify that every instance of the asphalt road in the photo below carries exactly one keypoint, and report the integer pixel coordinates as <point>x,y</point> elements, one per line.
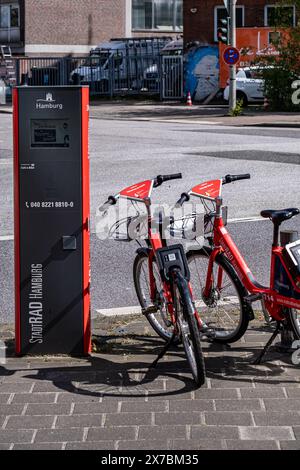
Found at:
<point>126,152</point>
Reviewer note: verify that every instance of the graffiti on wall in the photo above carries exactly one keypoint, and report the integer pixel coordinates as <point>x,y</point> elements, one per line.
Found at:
<point>202,71</point>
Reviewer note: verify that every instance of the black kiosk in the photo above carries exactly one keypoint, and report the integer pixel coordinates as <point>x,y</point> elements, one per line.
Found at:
<point>51,210</point>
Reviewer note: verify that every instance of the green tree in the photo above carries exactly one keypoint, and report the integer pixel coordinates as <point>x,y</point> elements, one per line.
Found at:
<point>285,68</point>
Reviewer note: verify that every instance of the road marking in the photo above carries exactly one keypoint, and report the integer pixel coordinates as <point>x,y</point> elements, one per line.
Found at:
<point>136,310</point>
<point>5,238</point>
<point>247,219</point>
<point>111,312</point>
<point>186,121</point>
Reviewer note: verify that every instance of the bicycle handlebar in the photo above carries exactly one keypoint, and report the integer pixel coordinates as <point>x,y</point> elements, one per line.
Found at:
<point>160,179</point>
<point>231,178</point>
<point>185,197</point>
<point>111,201</point>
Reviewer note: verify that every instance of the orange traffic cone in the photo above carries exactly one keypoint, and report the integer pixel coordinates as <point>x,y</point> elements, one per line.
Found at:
<point>189,99</point>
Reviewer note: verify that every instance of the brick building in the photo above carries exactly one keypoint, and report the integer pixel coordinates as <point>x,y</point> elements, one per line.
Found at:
<point>201,17</point>
<point>48,27</point>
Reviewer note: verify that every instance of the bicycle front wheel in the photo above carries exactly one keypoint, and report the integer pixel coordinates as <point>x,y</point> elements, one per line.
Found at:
<point>159,319</point>
<point>224,309</point>
<point>188,328</point>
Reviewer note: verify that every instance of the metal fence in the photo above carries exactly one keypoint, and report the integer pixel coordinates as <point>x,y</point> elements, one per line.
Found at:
<point>115,75</point>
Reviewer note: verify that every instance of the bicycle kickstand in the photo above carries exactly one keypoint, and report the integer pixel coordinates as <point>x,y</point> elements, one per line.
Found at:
<point>268,345</point>
<point>163,351</point>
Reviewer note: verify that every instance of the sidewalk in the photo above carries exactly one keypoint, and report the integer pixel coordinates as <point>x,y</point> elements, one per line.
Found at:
<point>180,113</point>
<point>112,401</point>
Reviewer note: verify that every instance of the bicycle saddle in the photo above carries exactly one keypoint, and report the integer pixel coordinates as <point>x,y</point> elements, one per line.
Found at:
<point>279,216</point>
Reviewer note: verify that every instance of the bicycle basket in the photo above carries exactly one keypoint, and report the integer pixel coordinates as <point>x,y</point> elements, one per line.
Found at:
<point>189,227</point>
<point>128,229</point>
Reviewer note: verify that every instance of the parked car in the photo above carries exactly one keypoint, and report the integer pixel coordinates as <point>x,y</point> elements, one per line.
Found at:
<point>249,84</point>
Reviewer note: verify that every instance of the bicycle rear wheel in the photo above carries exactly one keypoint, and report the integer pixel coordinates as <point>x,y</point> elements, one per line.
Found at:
<point>224,310</point>
<point>294,318</point>
<point>188,327</point>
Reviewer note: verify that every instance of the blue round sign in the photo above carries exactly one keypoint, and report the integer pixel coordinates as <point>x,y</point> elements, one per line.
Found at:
<point>231,55</point>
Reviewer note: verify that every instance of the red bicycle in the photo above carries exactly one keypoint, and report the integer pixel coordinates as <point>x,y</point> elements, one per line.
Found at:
<point>161,275</point>
<point>223,283</point>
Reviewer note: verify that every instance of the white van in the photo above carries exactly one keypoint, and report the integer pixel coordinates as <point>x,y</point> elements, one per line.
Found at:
<point>120,60</point>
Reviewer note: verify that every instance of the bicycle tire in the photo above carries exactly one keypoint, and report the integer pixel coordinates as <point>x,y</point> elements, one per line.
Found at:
<point>157,321</point>
<point>294,320</point>
<point>188,327</point>
<point>222,336</point>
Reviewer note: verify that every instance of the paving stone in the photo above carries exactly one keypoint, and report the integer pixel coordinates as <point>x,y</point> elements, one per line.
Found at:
<point>212,393</point>
<point>48,409</point>
<point>296,430</point>
<point>127,419</point>
<point>251,445</point>
<point>4,398</point>
<point>279,404</point>
<point>293,392</point>
<point>260,433</point>
<point>29,422</point>
<point>2,419</point>
<point>111,433</point>
<point>143,407</point>
<point>53,387</point>
<point>233,383</point>
<point>186,417</point>
<point>161,432</point>
<point>39,446</point>
<point>59,435</point>
<point>79,421</point>
<point>214,432</point>
<point>78,397</point>
<point>98,408</point>
<point>191,405</point>
<point>100,445</point>
<point>143,445</point>
<point>16,435</point>
<point>16,387</point>
<point>5,446</point>
<point>34,398</point>
<point>199,444</point>
<point>230,418</point>
<point>276,418</point>
<point>289,445</point>
<point>274,392</point>
<point>271,382</point>
<point>237,405</point>
<point>9,410</point>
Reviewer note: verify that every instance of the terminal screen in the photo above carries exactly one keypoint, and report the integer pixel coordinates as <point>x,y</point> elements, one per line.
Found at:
<point>50,133</point>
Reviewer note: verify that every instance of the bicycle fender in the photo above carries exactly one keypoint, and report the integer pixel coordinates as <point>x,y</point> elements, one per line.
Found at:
<point>143,251</point>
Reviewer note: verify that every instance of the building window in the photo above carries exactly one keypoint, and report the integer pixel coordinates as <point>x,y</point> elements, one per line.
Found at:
<point>9,16</point>
<point>222,13</point>
<point>284,16</point>
<point>159,15</point>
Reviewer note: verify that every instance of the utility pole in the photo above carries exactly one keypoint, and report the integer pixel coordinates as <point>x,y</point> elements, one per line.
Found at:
<point>232,36</point>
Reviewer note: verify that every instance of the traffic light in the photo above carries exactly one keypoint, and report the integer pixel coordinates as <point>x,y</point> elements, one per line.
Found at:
<point>223,30</point>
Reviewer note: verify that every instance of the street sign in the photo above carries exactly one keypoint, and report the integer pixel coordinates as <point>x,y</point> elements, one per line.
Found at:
<point>231,55</point>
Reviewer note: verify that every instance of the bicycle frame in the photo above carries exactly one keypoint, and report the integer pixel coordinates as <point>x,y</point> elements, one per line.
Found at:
<point>155,242</point>
<point>273,300</point>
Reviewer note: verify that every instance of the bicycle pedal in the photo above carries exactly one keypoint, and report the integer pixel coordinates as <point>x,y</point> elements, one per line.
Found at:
<point>149,310</point>
<point>209,333</point>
